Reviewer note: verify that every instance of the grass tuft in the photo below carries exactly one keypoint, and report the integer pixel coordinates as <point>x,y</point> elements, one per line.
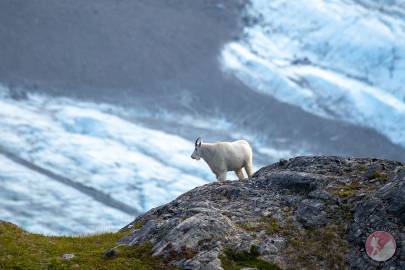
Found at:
<point>269,225</point>
<point>321,248</point>
<point>232,260</point>
<point>378,175</point>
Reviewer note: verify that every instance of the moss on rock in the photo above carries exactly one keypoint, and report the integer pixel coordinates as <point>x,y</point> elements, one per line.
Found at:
<point>232,260</point>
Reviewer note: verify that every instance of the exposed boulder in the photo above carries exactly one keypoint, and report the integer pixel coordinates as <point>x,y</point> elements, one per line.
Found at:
<point>302,213</point>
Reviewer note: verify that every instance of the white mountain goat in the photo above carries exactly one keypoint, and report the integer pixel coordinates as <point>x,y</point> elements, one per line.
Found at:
<point>222,157</point>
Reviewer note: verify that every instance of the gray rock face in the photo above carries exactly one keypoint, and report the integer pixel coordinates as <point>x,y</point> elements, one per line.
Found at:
<point>384,211</point>
<point>307,212</point>
<point>311,213</point>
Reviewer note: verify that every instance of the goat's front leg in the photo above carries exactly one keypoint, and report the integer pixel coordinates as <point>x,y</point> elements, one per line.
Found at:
<point>221,176</point>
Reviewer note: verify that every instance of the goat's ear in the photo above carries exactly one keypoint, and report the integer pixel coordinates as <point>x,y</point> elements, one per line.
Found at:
<point>199,144</point>
<point>198,141</point>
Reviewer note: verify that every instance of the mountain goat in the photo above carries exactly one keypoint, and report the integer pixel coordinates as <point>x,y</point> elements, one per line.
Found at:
<point>222,157</point>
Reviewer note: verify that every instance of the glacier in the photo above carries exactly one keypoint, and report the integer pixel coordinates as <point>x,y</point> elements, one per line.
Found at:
<point>337,59</point>
<point>138,166</point>
<point>41,205</point>
<point>103,147</point>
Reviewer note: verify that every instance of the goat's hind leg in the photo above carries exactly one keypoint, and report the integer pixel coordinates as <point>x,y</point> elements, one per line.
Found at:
<point>239,173</point>
<point>249,169</point>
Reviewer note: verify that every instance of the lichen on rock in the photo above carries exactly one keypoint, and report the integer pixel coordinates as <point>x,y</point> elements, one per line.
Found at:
<point>302,213</point>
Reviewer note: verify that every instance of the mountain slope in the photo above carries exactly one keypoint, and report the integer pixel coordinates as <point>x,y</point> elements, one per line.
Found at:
<point>301,213</point>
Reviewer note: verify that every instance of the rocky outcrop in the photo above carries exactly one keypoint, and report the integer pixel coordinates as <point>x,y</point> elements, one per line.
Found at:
<point>304,213</point>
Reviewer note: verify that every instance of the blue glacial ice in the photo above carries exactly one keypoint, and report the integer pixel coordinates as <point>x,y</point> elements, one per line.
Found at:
<point>98,146</point>
<point>42,205</point>
<point>337,59</point>
<point>139,166</point>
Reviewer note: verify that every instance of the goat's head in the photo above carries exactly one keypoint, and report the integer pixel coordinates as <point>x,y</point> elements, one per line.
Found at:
<point>197,149</point>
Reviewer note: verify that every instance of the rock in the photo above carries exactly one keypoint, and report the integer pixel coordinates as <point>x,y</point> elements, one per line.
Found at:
<point>68,256</point>
<point>269,244</point>
<point>393,195</point>
<point>311,213</point>
<point>373,171</point>
<point>193,231</point>
<point>321,207</point>
<point>283,162</point>
<point>320,195</point>
<point>294,181</point>
<point>205,260</point>
<point>111,253</point>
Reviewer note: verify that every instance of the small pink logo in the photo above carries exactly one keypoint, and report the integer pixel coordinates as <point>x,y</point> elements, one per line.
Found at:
<point>380,246</point>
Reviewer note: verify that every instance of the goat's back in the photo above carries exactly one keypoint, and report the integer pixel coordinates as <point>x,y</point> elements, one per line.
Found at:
<point>235,154</point>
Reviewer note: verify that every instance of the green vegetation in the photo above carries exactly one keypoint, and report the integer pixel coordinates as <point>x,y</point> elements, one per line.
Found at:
<point>307,248</point>
<point>318,248</point>
<point>351,189</point>
<point>269,225</point>
<point>378,175</point>
<point>344,212</point>
<point>273,227</point>
<point>139,224</point>
<point>347,190</point>
<point>20,250</point>
<point>360,168</point>
<point>232,260</point>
